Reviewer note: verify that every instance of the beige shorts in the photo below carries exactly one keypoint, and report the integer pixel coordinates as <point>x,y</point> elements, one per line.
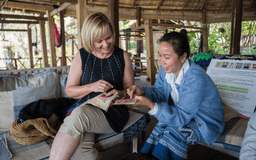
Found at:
<point>86,121</point>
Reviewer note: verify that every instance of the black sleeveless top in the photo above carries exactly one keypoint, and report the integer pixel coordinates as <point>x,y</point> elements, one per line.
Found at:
<point>111,70</point>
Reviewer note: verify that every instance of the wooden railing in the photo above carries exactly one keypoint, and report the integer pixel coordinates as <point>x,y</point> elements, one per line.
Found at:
<point>19,63</point>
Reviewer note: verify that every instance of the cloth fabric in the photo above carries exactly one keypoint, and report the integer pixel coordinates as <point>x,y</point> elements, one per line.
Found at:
<point>39,120</point>
<point>181,137</point>
<point>199,101</point>
<point>33,131</point>
<point>44,108</point>
<point>110,69</point>
<point>86,120</point>
<point>248,149</point>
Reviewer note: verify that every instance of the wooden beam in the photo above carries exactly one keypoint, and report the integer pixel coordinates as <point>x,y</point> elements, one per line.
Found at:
<point>202,7</point>
<point>236,27</point>
<point>159,4</point>
<point>3,4</point>
<point>19,22</point>
<point>133,2</point>
<point>43,43</point>
<point>29,6</point>
<point>81,14</point>
<point>51,37</point>
<point>138,17</point>
<point>150,52</point>
<point>205,32</point>
<point>30,50</point>
<point>63,45</point>
<point>113,15</point>
<point>61,8</point>
<point>226,4</point>
<point>168,25</point>
<point>14,30</point>
<point>63,1</point>
<point>185,4</point>
<point>22,17</point>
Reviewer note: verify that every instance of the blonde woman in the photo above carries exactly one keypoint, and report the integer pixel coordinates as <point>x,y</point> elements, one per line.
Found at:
<point>98,67</point>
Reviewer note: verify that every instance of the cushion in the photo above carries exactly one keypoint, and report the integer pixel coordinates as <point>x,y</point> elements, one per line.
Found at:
<point>18,91</point>
<point>231,138</point>
<point>135,125</point>
<point>63,82</point>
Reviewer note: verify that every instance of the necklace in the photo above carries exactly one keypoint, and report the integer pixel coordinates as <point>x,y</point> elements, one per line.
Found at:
<point>101,68</point>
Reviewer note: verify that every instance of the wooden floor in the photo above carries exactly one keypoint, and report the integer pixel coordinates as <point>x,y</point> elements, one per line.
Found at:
<point>196,152</point>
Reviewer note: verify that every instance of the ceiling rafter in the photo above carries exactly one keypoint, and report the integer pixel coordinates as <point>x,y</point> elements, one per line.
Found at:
<point>61,8</point>
<point>3,4</point>
<point>22,17</point>
<point>203,5</point>
<point>29,6</point>
<point>159,4</point>
<point>226,4</point>
<point>133,2</point>
<point>185,4</point>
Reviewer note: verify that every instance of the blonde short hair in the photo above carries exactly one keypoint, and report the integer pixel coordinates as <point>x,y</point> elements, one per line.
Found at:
<point>94,27</point>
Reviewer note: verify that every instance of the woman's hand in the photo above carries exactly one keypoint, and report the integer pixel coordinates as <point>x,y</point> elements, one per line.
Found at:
<point>101,86</point>
<point>144,101</point>
<point>114,92</point>
<point>135,91</point>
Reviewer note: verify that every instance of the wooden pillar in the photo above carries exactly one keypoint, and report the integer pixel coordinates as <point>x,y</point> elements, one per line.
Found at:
<point>43,43</point>
<point>236,27</point>
<point>30,50</point>
<point>138,16</point>
<point>51,39</point>
<point>63,45</point>
<point>205,32</point>
<point>81,14</point>
<point>72,47</point>
<point>139,41</point>
<point>113,15</point>
<point>150,52</point>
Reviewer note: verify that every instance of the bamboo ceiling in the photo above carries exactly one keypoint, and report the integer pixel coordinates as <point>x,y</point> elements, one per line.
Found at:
<point>164,10</point>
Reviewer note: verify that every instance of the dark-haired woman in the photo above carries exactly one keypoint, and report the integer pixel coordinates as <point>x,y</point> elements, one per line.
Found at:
<point>183,99</point>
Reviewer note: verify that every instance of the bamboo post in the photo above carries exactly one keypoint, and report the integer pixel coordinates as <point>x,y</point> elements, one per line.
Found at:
<point>30,50</point>
<point>51,39</point>
<point>113,15</point>
<point>150,52</point>
<point>236,27</point>
<point>43,43</point>
<point>81,14</point>
<point>205,33</point>
<point>63,45</point>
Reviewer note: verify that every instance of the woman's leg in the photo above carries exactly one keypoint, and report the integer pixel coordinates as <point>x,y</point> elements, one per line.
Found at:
<point>63,146</point>
<point>78,129</point>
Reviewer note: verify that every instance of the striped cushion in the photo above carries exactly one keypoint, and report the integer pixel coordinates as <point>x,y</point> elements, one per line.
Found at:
<point>135,125</point>
<point>18,91</point>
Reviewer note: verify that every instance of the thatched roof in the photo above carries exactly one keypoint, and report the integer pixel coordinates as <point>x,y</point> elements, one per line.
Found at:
<point>164,10</point>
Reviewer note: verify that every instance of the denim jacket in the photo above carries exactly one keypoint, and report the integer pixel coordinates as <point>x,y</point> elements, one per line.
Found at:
<point>199,101</point>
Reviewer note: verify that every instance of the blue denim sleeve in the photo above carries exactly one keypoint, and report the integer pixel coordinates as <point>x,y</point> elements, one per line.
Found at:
<point>191,93</point>
<point>156,92</point>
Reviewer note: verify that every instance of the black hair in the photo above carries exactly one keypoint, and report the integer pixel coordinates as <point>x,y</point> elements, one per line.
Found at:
<point>184,31</point>
<point>179,42</point>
